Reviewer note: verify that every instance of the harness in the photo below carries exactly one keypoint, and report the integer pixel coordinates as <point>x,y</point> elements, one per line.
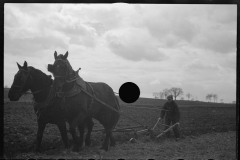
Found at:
<point>42,105</point>
<point>79,85</point>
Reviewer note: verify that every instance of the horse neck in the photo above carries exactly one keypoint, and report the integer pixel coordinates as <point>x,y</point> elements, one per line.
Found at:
<point>38,85</point>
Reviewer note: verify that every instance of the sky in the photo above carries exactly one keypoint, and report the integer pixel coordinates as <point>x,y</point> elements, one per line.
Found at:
<point>156,46</point>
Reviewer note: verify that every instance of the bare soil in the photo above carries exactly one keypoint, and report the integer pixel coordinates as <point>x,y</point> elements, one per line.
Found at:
<point>206,132</point>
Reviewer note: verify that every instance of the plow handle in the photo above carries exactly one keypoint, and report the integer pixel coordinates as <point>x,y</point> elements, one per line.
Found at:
<point>156,123</point>
<point>167,129</point>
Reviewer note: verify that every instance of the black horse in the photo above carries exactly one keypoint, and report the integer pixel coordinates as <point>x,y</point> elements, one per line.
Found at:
<point>85,104</point>
<point>46,105</point>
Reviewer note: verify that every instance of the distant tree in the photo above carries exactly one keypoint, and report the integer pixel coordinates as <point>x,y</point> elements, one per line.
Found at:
<point>215,97</point>
<point>5,86</point>
<point>176,92</point>
<point>181,98</point>
<point>188,95</point>
<point>210,97</point>
<point>155,95</point>
<point>233,102</point>
<point>192,99</point>
<point>161,95</point>
<point>165,92</point>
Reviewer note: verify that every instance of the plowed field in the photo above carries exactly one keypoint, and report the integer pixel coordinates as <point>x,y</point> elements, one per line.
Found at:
<point>20,127</point>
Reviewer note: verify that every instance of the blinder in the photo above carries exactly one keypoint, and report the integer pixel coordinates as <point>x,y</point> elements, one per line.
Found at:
<point>51,67</point>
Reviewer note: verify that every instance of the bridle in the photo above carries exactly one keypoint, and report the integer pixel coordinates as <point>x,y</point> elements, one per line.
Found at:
<point>67,73</point>
<point>65,76</point>
<point>27,74</point>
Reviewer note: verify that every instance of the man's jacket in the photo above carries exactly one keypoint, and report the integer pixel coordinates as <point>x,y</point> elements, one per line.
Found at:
<point>172,113</point>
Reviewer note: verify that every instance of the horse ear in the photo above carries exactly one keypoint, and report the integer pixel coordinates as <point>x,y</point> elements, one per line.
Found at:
<point>19,67</point>
<point>25,65</point>
<point>50,68</point>
<point>55,55</point>
<point>66,55</point>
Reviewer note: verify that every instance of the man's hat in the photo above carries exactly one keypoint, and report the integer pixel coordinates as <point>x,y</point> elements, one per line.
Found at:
<point>169,97</point>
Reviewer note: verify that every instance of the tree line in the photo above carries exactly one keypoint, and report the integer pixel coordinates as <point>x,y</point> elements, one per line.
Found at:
<point>177,92</point>
<point>172,91</point>
<point>214,96</point>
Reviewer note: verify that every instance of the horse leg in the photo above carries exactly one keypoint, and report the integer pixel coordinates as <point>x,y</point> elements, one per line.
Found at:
<point>78,120</point>
<point>112,140</point>
<point>63,131</point>
<point>41,127</point>
<point>90,125</point>
<point>81,132</point>
<point>106,141</point>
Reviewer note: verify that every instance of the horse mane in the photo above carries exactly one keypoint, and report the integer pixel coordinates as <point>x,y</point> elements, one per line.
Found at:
<point>42,77</point>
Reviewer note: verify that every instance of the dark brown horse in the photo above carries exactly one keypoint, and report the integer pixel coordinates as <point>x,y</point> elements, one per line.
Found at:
<point>46,106</point>
<point>82,105</point>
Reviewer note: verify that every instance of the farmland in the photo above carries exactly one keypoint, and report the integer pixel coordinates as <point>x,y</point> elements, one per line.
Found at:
<point>202,126</point>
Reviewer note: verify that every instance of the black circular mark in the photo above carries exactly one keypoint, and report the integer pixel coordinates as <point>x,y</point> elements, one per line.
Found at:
<point>129,92</point>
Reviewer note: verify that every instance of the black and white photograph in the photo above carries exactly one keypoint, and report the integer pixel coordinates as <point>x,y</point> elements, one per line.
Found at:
<point>120,81</point>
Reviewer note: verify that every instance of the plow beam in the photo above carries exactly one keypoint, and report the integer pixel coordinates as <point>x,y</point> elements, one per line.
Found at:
<point>128,128</point>
<point>167,129</point>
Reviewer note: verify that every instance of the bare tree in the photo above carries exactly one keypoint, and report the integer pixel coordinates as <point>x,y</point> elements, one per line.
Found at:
<point>176,92</point>
<point>207,97</point>
<point>188,95</point>
<point>165,92</point>
<point>155,95</point>
<point>215,97</point>
<point>210,96</point>
<point>161,95</point>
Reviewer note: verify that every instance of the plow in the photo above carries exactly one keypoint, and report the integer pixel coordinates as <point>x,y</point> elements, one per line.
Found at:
<point>135,129</point>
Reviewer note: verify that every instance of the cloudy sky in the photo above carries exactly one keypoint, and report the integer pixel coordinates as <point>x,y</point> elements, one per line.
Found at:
<point>155,46</point>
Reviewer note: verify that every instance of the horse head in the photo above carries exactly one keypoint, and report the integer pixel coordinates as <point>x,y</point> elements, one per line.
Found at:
<point>61,70</point>
<point>21,82</point>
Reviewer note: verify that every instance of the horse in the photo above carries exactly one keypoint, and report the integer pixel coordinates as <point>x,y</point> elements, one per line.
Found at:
<point>85,103</point>
<point>46,105</point>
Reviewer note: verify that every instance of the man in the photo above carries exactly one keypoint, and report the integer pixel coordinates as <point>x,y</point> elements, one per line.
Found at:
<point>172,115</point>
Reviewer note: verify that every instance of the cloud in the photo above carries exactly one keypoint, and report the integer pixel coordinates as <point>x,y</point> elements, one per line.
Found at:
<point>219,41</point>
<point>165,25</point>
<point>199,65</point>
<point>134,44</point>
<point>222,14</point>
<point>154,82</point>
<point>30,46</point>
